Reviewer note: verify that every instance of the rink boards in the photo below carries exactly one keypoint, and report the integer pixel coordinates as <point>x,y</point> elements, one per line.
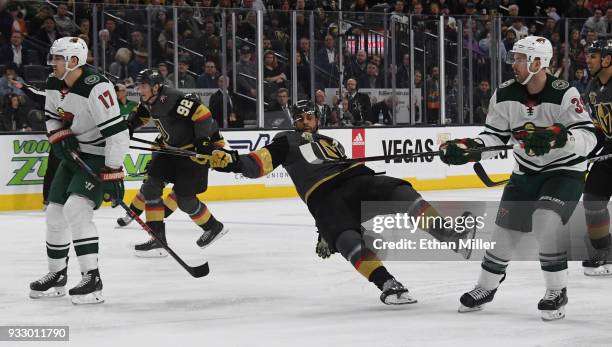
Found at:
<point>24,165</point>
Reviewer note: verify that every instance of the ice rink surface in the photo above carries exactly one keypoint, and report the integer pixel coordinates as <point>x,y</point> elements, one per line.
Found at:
<point>267,287</point>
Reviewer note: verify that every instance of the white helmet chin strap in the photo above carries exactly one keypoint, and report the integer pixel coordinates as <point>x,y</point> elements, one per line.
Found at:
<point>531,74</point>
<point>68,70</point>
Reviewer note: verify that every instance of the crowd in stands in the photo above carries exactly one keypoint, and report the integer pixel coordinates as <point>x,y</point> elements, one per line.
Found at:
<point>362,62</point>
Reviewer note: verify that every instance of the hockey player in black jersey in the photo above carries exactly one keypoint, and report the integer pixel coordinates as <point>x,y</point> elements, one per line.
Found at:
<point>187,124</point>
<point>598,188</point>
<point>333,190</point>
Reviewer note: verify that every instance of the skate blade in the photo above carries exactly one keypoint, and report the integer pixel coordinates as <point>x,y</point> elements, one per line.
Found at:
<point>152,253</point>
<point>465,309</point>
<point>550,315</point>
<point>219,235</point>
<point>55,292</point>
<point>401,299</point>
<point>604,270</point>
<point>88,299</point>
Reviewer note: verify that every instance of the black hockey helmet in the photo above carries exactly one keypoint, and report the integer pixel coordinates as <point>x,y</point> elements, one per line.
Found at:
<point>302,106</point>
<point>150,77</point>
<point>603,47</point>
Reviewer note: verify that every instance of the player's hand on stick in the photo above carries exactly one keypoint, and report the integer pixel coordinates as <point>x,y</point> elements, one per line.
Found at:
<point>112,180</point>
<point>454,151</point>
<point>225,161</point>
<point>63,142</point>
<point>322,248</point>
<point>204,148</point>
<point>540,142</point>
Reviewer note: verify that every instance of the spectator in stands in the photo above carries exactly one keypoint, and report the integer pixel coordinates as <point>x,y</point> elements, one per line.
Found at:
<point>37,22</point>
<point>6,85</point>
<point>324,111</point>
<point>433,96</point>
<point>346,116</point>
<point>119,68</point>
<point>402,77</point>
<point>577,10</point>
<point>19,23</point>
<point>106,50</point>
<point>85,28</point>
<point>274,72</point>
<point>549,28</point>
<point>185,80</point>
<point>519,29</point>
<point>163,70</point>
<point>303,76</point>
<point>209,78</point>
<point>137,41</point>
<point>125,106</point>
<point>509,39</point>
<point>576,49</point>
<point>579,81</point>
<point>359,103</point>
<point>357,68</point>
<point>591,36</point>
<point>279,114</point>
<point>65,24</point>
<point>114,37</point>
<point>139,63</point>
<point>596,23</point>
<point>216,105</point>
<point>382,112</point>
<point>482,96</point>
<point>14,115</point>
<point>305,49</point>
<point>399,12</point>
<point>48,34</point>
<point>15,52</point>
<point>246,73</point>
<point>372,78</point>
<point>327,60</point>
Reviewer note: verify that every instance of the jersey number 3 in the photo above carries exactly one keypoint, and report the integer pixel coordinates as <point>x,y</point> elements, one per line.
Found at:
<point>104,96</point>
<point>579,105</point>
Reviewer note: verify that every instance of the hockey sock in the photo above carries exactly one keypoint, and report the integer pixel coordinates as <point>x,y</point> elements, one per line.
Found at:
<point>169,204</point>
<point>154,210</point>
<point>138,204</point>
<point>364,260</point>
<point>495,261</point>
<point>57,237</point>
<point>78,212</point>
<point>202,217</point>
<point>597,220</point>
<point>553,241</point>
<point>427,216</point>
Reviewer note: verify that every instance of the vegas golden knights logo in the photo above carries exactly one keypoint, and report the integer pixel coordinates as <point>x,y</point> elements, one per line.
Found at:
<point>603,111</point>
<point>330,150</point>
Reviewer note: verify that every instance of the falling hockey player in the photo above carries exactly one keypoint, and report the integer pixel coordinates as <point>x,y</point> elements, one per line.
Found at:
<point>83,115</point>
<point>333,191</point>
<point>548,117</point>
<point>598,188</point>
<point>184,123</point>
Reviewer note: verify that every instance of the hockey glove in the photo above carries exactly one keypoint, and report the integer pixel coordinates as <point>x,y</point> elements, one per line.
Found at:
<point>322,248</point>
<point>63,143</point>
<point>205,148</point>
<point>112,184</point>
<point>540,142</point>
<point>454,151</point>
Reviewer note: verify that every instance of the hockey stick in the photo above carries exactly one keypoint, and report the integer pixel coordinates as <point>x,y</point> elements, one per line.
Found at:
<point>182,153</point>
<point>482,174</point>
<point>422,154</point>
<point>195,271</point>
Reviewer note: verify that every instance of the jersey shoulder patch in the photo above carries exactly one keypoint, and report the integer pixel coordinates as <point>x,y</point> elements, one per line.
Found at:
<point>87,82</point>
<point>560,84</point>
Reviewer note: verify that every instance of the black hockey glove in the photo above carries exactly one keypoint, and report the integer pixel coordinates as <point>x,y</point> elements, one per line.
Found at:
<point>63,143</point>
<point>323,250</point>
<point>112,183</point>
<point>204,147</point>
<point>540,142</point>
<point>454,151</point>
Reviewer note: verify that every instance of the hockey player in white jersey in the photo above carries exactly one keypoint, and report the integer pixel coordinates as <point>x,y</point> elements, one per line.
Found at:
<point>82,116</point>
<point>549,119</point>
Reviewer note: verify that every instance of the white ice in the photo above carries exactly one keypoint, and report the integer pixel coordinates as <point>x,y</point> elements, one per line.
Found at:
<point>267,287</point>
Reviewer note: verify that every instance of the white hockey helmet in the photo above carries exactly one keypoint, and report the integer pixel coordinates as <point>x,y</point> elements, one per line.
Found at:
<point>533,47</point>
<point>68,47</point>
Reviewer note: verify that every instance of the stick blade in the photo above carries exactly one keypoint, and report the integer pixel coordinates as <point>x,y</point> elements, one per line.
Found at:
<point>199,271</point>
<point>482,174</point>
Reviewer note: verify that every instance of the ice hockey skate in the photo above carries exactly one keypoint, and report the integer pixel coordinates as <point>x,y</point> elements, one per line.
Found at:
<point>394,293</point>
<point>51,285</point>
<point>598,265</point>
<point>552,305</point>
<point>212,235</point>
<point>152,248</point>
<point>475,299</point>
<point>89,290</point>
